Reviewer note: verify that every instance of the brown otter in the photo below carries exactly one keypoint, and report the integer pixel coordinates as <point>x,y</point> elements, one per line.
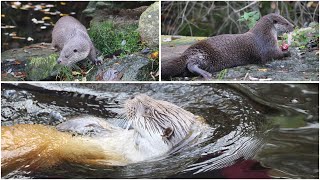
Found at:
<point>72,38</point>
<point>258,45</point>
<point>157,126</point>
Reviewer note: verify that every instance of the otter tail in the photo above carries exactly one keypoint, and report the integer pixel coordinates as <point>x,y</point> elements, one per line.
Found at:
<point>29,147</point>
<point>173,67</point>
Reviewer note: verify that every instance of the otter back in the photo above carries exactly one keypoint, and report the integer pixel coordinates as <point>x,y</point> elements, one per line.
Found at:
<point>71,37</point>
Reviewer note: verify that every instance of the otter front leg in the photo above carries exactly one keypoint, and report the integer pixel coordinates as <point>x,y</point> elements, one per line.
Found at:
<point>275,55</point>
<point>93,56</point>
<point>194,68</point>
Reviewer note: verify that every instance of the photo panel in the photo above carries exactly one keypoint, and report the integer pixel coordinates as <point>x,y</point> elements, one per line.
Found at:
<point>80,41</point>
<point>156,130</point>
<point>240,40</point>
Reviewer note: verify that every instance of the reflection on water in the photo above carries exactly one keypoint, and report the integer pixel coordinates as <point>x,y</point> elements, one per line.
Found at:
<point>24,23</point>
<point>283,118</point>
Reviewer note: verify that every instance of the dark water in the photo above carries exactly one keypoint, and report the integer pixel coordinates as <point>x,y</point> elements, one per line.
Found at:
<point>25,23</point>
<point>278,122</point>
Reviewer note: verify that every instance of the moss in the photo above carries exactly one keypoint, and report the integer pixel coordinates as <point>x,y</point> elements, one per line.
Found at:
<point>39,68</point>
<point>110,38</point>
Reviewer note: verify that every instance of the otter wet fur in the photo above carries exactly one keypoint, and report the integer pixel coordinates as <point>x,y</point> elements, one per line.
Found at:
<point>71,38</point>
<point>157,127</point>
<point>257,46</point>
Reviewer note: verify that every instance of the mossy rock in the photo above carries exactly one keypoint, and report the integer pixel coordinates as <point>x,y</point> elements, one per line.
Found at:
<point>41,68</point>
<point>149,25</point>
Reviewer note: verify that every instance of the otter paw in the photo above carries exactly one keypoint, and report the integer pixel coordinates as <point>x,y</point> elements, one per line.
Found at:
<point>97,61</point>
<point>286,53</point>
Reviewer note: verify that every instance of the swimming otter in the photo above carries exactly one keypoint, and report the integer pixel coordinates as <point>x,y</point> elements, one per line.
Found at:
<point>72,38</point>
<point>258,45</point>
<point>157,126</point>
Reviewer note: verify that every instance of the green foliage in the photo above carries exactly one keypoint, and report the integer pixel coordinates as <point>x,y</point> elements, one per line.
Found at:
<point>109,38</point>
<point>250,18</point>
<point>302,36</point>
<point>65,74</point>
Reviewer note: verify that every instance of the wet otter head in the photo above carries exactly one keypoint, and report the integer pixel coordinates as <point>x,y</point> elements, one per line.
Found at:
<point>158,125</point>
<point>74,51</point>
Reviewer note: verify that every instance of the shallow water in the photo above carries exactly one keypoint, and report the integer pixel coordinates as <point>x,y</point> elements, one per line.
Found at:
<point>281,121</point>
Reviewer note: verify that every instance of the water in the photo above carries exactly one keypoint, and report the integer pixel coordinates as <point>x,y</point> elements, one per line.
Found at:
<point>273,127</point>
<point>25,23</point>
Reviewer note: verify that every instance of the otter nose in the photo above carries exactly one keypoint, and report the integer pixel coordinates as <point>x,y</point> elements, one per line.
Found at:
<point>59,61</point>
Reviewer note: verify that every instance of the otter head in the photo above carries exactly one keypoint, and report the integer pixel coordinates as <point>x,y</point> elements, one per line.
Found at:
<point>159,125</point>
<point>73,51</point>
<point>272,23</point>
<point>280,24</point>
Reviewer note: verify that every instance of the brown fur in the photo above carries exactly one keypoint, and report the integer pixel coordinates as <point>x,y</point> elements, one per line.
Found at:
<point>258,45</point>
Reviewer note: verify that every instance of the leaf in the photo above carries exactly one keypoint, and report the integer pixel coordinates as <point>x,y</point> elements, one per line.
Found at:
<point>155,55</point>
<point>252,13</point>
<point>246,16</point>
<point>256,16</point>
<point>263,70</point>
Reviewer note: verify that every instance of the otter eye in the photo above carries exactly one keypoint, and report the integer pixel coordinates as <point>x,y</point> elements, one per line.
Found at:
<point>275,21</point>
<point>75,50</point>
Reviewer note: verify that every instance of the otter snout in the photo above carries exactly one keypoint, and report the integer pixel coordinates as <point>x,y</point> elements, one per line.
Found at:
<point>60,61</point>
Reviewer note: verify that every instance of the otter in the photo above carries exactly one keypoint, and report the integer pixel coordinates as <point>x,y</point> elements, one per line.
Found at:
<point>258,45</point>
<point>155,128</point>
<point>71,38</point>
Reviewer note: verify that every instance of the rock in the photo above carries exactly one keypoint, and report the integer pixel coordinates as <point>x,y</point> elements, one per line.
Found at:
<point>149,25</point>
<point>131,68</point>
<point>17,64</point>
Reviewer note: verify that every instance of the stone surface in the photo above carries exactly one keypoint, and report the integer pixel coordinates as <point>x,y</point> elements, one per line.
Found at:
<point>14,61</point>
<point>149,25</point>
<point>130,68</point>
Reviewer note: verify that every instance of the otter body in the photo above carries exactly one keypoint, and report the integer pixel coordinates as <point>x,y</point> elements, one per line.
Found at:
<point>72,38</point>
<point>256,46</point>
<point>157,126</point>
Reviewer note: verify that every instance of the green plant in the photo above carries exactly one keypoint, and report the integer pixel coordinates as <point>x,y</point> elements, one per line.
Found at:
<point>302,36</point>
<point>109,38</point>
<point>65,74</point>
<point>222,74</point>
<point>250,18</point>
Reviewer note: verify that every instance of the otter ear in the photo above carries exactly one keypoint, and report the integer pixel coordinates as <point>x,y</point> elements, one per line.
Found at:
<point>75,50</point>
<point>167,133</point>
